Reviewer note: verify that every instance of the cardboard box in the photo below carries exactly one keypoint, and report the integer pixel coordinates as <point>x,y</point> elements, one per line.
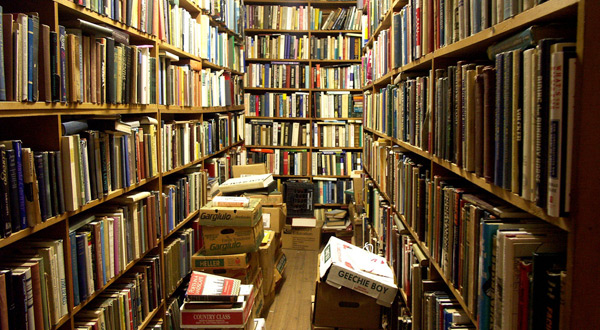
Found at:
<point>231,240</point>
<point>274,217</point>
<point>274,198</point>
<point>267,251</point>
<point>259,303</point>
<point>345,308</point>
<point>344,265</point>
<point>231,216</point>
<point>218,318</point>
<point>231,261</point>
<point>252,169</point>
<point>247,275</point>
<point>302,236</point>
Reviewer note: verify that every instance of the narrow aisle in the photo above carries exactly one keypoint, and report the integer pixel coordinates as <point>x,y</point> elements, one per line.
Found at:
<point>291,308</point>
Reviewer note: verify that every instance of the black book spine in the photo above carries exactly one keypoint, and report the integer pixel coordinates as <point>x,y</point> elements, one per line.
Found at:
<point>6,227</point>
<point>53,183</point>
<point>55,76</point>
<point>39,171</point>
<point>59,182</point>
<point>47,178</point>
<point>110,71</point>
<point>20,299</point>
<point>10,301</point>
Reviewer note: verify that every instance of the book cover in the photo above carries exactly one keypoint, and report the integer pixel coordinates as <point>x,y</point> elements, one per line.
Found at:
<point>208,287</point>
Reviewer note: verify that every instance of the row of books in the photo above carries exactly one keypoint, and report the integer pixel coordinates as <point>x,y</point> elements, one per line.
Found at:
<point>335,162</point>
<point>292,105</point>
<point>336,77</point>
<point>96,162</point>
<point>337,134</point>
<point>278,75</point>
<point>377,60</point>
<point>348,18</point>
<point>220,88</point>
<point>273,133</point>
<point>178,258</point>
<point>277,17</point>
<point>280,161</point>
<point>183,195</point>
<point>338,105</point>
<point>342,47</point>
<point>179,82</point>
<point>219,169</point>
<point>129,302</point>
<point>278,46</point>
<point>33,285</point>
<point>458,225</point>
<point>374,12</point>
<point>84,62</point>
<point>104,243</point>
<point>332,191</point>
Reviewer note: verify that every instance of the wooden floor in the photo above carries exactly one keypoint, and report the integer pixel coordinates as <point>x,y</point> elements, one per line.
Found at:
<point>291,308</point>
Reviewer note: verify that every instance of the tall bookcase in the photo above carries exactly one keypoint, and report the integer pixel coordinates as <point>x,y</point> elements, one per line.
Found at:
<point>579,226</point>
<point>306,46</point>
<point>39,126</point>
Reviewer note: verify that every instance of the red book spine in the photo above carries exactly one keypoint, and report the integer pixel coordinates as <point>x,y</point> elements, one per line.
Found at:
<point>525,268</point>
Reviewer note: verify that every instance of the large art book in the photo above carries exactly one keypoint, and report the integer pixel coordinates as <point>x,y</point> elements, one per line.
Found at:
<point>208,287</point>
<point>246,183</point>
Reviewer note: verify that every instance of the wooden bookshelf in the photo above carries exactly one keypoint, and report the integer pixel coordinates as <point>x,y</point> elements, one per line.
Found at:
<point>41,121</point>
<point>580,225</point>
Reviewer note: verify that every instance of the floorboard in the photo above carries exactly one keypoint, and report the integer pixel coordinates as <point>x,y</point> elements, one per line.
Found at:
<point>291,308</point>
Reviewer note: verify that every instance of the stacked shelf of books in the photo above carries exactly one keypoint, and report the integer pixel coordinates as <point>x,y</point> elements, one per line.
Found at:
<point>468,139</point>
<point>115,121</point>
<point>303,93</point>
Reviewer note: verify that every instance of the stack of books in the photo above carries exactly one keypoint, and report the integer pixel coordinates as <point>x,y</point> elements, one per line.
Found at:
<point>213,301</point>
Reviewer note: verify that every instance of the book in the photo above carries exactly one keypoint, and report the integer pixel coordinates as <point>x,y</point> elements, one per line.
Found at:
<point>209,287</point>
<point>246,183</point>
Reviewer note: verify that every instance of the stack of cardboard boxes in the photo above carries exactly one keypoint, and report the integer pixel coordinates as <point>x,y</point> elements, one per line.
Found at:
<point>231,237</point>
<point>352,285</point>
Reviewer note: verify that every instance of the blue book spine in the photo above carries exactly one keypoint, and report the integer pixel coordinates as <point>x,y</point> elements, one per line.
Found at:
<point>104,256</point>
<point>2,80</point>
<point>74,268</point>
<point>81,266</point>
<point>499,123</point>
<point>488,231</point>
<point>30,59</point>
<point>20,183</point>
<point>39,171</point>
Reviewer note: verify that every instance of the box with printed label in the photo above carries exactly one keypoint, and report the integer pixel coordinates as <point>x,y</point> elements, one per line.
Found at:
<point>211,215</point>
<point>344,308</point>
<point>302,235</point>
<point>274,198</point>
<point>230,261</point>
<point>231,240</point>
<point>218,318</point>
<point>246,275</point>
<point>250,169</point>
<point>344,265</point>
<point>274,217</point>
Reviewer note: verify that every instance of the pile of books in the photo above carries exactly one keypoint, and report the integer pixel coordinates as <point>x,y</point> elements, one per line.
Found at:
<point>213,301</point>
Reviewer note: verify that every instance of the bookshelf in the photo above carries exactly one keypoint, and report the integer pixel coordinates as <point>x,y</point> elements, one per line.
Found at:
<point>578,226</point>
<point>39,126</point>
<point>301,44</point>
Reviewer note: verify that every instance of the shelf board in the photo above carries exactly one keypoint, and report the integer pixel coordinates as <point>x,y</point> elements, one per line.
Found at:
<point>222,109</point>
<point>182,167</point>
<point>151,315</point>
<point>179,52</point>
<point>278,147</point>
<point>189,6</point>
<point>423,62</point>
<point>61,322</point>
<point>330,205</point>
<point>270,89</point>
<point>208,64</point>
<point>336,90</point>
<point>332,176</point>
<point>334,148</point>
<point>343,118</point>
<point>31,230</point>
<point>268,60</point>
<point>358,61</point>
<point>20,109</point>
<point>239,143</point>
<point>278,118</point>
<point>178,109</point>
<point>550,10</point>
<point>333,3</point>
<point>253,31</point>
<point>258,2</point>
<point>335,31</point>
<point>290,176</point>
<point>504,194</point>
<point>92,16</point>
<point>181,224</point>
